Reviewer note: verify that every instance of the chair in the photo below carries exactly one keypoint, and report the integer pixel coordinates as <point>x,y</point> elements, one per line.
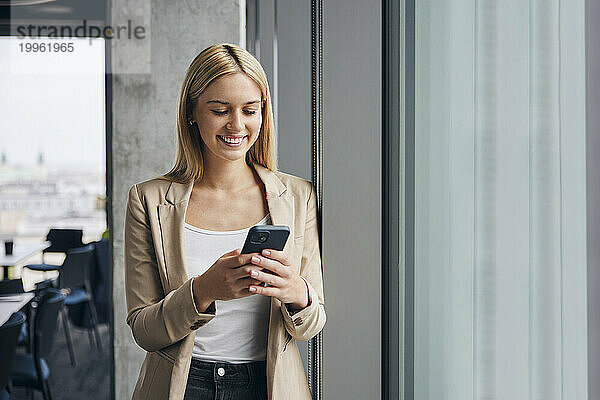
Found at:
<point>99,277</point>
<point>101,280</point>
<point>31,369</point>
<point>9,333</point>
<point>61,240</point>
<point>11,286</point>
<point>74,280</point>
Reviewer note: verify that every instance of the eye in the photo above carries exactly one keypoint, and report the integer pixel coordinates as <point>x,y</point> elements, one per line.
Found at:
<point>217,112</point>
<point>250,112</point>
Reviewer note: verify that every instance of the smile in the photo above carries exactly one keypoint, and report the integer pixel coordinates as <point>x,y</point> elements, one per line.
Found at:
<point>232,141</point>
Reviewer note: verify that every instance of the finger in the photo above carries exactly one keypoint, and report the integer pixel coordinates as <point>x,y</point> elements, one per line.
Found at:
<point>270,279</point>
<point>248,281</point>
<point>233,252</point>
<point>276,255</point>
<point>245,270</point>
<point>272,291</point>
<point>272,265</point>
<point>238,260</point>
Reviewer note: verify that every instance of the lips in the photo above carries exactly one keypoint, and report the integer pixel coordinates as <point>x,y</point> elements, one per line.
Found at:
<point>232,141</point>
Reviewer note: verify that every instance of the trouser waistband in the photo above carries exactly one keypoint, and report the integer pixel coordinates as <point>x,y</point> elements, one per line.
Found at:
<point>229,372</point>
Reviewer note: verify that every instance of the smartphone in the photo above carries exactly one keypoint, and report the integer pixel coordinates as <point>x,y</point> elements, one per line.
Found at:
<point>262,237</point>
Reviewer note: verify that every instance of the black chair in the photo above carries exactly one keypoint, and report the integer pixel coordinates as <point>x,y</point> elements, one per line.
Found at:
<point>101,281</point>
<point>99,277</point>
<point>74,280</point>
<point>31,370</point>
<point>9,332</point>
<point>11,286</point>
<point>61,241</point>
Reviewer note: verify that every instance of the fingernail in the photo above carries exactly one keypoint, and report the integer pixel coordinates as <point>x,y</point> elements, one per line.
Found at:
<point>253,289</point>
<point>255,259</point>
<point>266,252</point>
<point>254,273</point>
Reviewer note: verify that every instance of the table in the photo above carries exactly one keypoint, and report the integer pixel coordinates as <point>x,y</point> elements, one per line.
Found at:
<point>21,252</point>
<point>13,303</point>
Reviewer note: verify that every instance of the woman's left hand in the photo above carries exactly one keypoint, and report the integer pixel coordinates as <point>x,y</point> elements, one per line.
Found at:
<point>284,284</point>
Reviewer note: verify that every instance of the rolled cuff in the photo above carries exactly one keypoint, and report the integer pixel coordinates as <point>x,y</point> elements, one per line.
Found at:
<point>305,323</point>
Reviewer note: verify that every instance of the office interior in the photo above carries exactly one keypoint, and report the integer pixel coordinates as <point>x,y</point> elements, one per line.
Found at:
<point>452,146</point>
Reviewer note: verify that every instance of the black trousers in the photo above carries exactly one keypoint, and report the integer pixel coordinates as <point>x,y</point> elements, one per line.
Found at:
<point>226,381</point>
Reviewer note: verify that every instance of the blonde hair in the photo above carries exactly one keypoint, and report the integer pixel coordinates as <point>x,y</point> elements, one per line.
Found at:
<point>212,63</point>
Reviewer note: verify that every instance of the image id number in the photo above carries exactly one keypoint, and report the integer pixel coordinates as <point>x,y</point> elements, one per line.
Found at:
<point>46,47</point>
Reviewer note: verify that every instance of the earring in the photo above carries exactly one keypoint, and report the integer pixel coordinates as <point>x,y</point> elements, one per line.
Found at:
<point>191,122</point>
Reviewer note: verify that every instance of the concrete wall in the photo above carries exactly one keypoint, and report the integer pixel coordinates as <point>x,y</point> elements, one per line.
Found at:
<point>145,84</point>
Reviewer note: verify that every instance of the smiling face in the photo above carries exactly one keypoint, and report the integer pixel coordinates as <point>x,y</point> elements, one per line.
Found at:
<point>229,117</point>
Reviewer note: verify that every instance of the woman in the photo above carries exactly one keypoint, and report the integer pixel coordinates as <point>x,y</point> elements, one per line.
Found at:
<point>201,310</point>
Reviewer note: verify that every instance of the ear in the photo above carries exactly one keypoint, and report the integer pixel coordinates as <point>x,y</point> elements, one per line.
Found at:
<point>189,108</point>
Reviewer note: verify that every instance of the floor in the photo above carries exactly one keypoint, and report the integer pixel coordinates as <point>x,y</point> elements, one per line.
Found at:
<point>89,380</point>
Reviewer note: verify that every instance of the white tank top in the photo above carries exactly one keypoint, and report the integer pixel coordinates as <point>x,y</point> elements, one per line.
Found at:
<point>238,332</point>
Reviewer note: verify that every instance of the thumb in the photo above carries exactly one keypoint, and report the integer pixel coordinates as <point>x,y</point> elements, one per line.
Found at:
<point>234,252</point>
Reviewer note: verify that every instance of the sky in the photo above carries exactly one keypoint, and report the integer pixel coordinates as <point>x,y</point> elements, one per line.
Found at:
<point>53,102</point>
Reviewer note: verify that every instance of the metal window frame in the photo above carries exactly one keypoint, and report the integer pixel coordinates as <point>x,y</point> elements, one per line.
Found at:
<point>392,218</point>
<point>409,199</point>
<point>398,199</point>
<point>315,345</point>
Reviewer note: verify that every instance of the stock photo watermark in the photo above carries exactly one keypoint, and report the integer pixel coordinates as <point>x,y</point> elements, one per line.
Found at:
<point>62,47</point>
<point>127,31</point>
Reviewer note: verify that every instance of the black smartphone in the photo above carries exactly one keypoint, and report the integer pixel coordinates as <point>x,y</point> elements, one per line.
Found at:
<point>262,237</point>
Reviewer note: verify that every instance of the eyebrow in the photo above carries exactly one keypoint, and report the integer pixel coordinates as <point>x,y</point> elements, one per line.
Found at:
<point>226,103</point>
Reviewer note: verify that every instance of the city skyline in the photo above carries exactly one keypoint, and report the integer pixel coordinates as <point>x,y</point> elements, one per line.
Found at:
<point>64,119</point>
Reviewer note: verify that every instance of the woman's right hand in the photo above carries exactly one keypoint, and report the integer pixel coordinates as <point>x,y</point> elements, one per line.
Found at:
<point>228,278</point>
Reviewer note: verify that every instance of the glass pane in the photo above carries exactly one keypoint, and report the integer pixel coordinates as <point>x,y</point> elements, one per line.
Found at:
<point>500,255</point>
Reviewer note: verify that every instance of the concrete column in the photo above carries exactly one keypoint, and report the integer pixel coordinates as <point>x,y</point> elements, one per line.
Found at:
<point>147,76</point>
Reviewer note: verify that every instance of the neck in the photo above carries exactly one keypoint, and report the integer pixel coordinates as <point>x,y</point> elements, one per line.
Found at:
<point>226,176</point>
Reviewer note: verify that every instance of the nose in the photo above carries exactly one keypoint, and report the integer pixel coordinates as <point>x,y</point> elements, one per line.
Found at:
<point>235,122</point>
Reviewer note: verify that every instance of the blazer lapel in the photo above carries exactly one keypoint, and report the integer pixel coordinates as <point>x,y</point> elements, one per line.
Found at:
<point>172,221</point>
<point>279,200</point>
<point>281,207</point>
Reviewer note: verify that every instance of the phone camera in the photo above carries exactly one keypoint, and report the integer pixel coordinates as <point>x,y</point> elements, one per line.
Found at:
<point>259,237</point>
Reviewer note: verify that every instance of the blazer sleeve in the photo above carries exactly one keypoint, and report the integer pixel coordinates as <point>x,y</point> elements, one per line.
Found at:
<point>156,320</point>
<point>306,323</point>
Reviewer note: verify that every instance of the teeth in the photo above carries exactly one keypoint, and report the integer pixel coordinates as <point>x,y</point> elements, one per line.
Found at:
<point>232,141</point>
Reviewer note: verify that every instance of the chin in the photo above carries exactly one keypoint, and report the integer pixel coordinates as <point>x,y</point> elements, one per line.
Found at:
<point>233,156</point>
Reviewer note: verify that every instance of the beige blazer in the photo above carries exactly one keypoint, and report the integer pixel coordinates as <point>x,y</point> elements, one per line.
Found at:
<point>160,305</point>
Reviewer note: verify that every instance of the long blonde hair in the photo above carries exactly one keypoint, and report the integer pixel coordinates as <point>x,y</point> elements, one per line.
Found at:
<point>213,62</point>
